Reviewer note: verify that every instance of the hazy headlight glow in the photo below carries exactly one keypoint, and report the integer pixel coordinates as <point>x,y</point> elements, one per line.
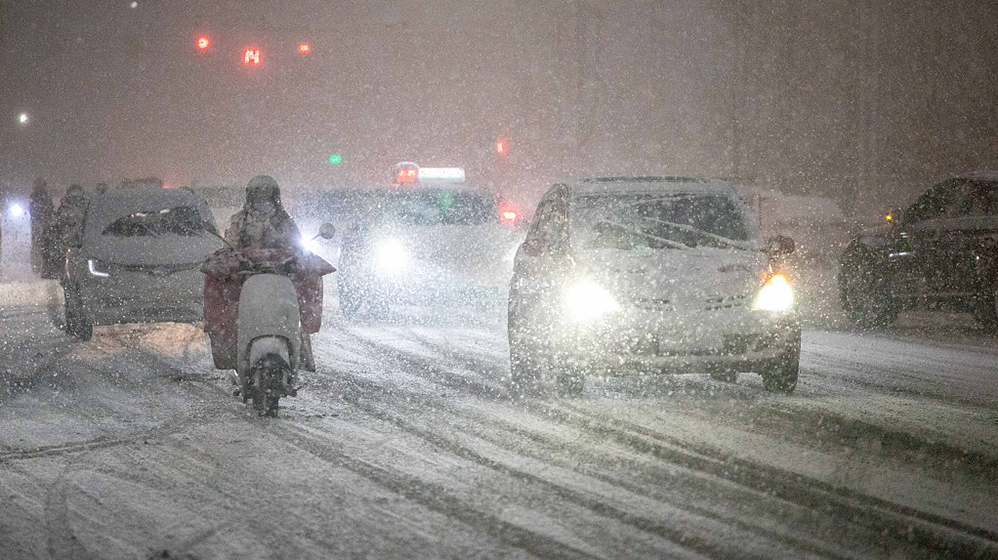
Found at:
<point>390,255</point>
<point>585,301</point>
<point>309,245</point>
<point>16,210</point>
<point>775,295</point>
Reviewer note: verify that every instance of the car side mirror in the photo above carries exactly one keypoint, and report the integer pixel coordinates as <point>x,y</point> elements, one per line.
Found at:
<point>327,230</point>
<point>780,245</point>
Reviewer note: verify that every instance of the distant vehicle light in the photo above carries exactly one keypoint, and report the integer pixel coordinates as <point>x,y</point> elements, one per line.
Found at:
<point>406,172</point>
<point>94,268</point>
<point>441,174</point>
<point>23,119</point>
<point>509,216</point>
<point>251,57</point>
<point>16,210</point>
<point>586,301</point>
<point>202,43</point>
<point>304,48</point>
<point>775,295</point>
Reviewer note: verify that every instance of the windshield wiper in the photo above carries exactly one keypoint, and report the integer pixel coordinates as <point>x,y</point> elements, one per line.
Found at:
<point>690,229</point>
<point>667,242</point>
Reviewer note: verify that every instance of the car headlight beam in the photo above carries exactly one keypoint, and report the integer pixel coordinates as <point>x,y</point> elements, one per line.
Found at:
<point>775,295</point>
<point>586,301</point>
<point>390,255</point>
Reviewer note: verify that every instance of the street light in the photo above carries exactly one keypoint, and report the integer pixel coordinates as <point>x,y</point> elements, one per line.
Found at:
<point>23,119</point>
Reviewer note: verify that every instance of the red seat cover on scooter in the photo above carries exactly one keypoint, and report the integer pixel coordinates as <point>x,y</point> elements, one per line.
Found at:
<point>223,285</point>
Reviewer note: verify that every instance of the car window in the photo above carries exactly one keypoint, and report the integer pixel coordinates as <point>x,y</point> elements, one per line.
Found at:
<point>176,220</point>
<point>442,207</point>
<point>549,225</point>
<point>984,199</point>
<point>652,221</point>
<point>349,206</point>
<point>950,199</point>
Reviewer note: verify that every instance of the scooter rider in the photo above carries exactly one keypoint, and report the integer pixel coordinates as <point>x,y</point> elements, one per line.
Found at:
<point>263,223</point>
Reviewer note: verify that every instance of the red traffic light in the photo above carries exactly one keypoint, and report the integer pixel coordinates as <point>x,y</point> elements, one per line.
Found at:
<point>202,43</point>
<point>251,57</point>
<point>304,48</point>
<point>502,146</point>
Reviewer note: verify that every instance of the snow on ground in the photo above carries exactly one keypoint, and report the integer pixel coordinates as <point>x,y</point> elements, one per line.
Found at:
<point>406,443</point>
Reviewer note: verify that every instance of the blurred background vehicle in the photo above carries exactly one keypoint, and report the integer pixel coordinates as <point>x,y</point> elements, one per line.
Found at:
<point>941,253</point>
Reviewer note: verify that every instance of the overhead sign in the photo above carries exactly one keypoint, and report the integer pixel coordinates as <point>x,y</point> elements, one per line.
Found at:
<point>251,57</point>
<point>441,175</point>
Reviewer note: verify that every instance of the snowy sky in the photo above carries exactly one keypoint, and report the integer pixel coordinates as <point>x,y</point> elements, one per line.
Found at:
<point>804,97</point>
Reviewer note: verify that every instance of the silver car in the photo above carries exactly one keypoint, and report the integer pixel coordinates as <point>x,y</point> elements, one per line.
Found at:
<point>664,274</point>
<point>138,258</point>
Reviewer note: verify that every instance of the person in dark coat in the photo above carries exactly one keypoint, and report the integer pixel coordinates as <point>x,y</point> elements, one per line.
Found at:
<point>66,228</point>
<point>41,209</point>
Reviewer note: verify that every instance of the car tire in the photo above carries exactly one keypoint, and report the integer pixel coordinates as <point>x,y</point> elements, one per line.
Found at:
<point>986,309</point>
<point>864,293</point>
<point>78,323</point>
<point>780,375</point>
<point>526,370</point>
<point>572,383</point>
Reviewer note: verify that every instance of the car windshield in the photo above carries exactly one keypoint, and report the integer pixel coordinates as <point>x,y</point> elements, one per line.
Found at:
<point>652,221</point>
<point>441,207</point>
<point>175,220</point>
<point>349,206</point>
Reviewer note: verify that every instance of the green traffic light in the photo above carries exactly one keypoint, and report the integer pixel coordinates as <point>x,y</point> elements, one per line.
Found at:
<point>335,158</point>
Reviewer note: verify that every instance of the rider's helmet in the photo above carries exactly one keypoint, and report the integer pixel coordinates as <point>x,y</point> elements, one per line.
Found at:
<point>263,194</point>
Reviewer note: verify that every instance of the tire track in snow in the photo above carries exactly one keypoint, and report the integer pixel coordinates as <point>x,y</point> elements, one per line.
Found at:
<point>643,524</point>
<point>920,528</point>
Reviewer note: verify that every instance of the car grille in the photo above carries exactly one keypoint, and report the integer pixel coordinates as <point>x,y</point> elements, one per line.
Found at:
<point>725,302</point>
<point>712,303</point>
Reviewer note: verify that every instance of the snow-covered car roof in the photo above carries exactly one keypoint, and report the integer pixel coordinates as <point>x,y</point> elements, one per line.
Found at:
<point>653,185</point>
<point>982,175</point>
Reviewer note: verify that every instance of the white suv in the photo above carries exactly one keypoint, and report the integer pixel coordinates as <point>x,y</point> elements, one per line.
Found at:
<point>662,274</point>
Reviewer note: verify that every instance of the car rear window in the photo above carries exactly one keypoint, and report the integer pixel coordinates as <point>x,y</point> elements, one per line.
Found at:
<point>176,220</point>
<point>442,207</point>
<point>639,221</point>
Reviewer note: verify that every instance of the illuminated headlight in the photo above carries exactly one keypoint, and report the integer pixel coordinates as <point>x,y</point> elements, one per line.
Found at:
<point>97,268</point>
<point>775,295</point>
<point>390,255</point>
<point>309,245</point>
<point>586,301</point>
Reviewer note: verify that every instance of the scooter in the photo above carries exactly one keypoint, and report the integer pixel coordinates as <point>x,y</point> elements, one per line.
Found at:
<point>261,307</point>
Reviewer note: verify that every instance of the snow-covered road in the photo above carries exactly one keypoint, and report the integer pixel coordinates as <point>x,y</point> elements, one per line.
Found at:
<point>405,444</point>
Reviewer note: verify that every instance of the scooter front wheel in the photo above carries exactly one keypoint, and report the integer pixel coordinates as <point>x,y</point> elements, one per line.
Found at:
<point>266,404</point>
<point>268,381</point>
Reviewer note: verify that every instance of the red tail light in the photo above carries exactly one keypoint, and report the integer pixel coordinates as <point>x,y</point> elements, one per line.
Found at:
<point>508,216</point>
